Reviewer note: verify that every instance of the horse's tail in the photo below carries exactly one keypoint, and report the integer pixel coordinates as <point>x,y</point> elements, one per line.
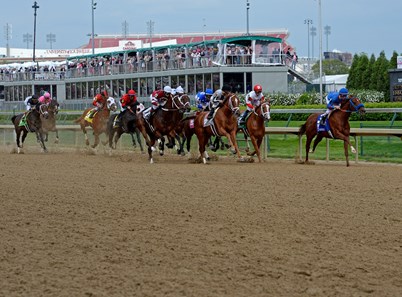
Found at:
<point>302,129</point>
<point>13,119</point>
<point>78,120</point>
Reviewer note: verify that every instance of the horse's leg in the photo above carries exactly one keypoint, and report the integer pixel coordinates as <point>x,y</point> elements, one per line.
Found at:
<point>137,133</point>
<point>111,134</point>
<point>18,135</point>
<point>39,135</point>
<point>256,145</point>
<point>117,137</point>
<point>247,144</point>
<point>161,145</point>
<point>96,142</point>
<point>150,150</point>
<point>57,136</point>
<point>85,134</point>
<point>317,140</point>
<point>133,140</point>
<point>308,143</point>
<point>346,149</point>
<point>202,141</point>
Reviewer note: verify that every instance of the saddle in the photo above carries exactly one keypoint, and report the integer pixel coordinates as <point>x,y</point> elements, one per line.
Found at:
<point>89,117</point>
<point>210,123</point>
<point>323,127</point>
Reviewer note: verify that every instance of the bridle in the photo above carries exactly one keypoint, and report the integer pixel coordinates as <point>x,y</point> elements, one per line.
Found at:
<point>233,107</point>
<point>265,112</point>
<point>355,107</point>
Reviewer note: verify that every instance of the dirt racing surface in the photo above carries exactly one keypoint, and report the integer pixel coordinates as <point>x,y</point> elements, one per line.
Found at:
<point>80,224</point>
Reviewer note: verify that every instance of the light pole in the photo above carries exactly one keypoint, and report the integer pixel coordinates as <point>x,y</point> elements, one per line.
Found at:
<point>308,22</point>
<point>327,31</point>
<point>247,22</point>
<point>150,25</point>
<point>313,32</point>
<point>203,29</point>
<point>8,36</point>
<point>51,38</point>
<point>93,7</point>
<point>27,38</point>
<point>35,7</point>
<point>124,27</point>
<point>320,38</point>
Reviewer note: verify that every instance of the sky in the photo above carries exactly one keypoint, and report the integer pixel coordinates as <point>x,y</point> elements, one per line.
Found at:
<point>356,26</point>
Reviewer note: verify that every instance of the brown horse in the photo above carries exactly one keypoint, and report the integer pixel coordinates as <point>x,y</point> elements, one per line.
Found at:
<point>339,126</point>
<point>49,123</point>
<point>224,123</point>
<point>163,122</point>
<point>99,121</point>
<point>255,127</point>
<point>33,123</point>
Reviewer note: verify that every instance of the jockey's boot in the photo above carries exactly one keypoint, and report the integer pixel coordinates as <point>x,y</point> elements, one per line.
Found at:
<point>211,113</point>
<point>91,113</point>
<point>243,117</point>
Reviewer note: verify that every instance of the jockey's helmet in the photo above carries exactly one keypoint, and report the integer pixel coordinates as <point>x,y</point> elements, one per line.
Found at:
<point>208,92</point>
<point>202,97</point>
<point>226,88</point>
<point>131,93</point>
<point>46,95</point>
<point>167,89</point>
<point>257,88</point>
<point>343,92</point>
<point>98,97</point>
<point>179,90</point>
<point>34,97</point>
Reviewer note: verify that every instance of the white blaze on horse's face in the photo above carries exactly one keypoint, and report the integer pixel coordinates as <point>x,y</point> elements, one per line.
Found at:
<point>266,111</point>
<point>111,104</point>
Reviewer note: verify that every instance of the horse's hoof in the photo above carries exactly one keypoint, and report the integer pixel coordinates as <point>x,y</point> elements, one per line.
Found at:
<point>160,153</point>
<point>204,160</point>
<point>233,151</point>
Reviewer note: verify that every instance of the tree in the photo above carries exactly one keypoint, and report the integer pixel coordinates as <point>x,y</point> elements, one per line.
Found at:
<point>331,67</point>
<point>352,81</point>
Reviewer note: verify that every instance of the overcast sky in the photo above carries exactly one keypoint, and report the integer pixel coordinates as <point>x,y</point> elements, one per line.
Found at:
<point>356,25</point>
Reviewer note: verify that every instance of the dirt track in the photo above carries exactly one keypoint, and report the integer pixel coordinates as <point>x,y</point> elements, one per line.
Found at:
<point>77,224</point>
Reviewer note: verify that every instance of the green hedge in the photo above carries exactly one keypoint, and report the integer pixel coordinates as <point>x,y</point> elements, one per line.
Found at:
<point>354,116</point>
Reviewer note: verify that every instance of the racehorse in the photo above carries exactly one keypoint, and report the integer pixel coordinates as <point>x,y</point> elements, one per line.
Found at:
<point>255,127</point>
<point>115,129</point>
<point>32,124</point>
<point>163,122</point>
<point>49,123</point>
<point>224,123</point>
<point>339,126</point>
<point>99,121</point>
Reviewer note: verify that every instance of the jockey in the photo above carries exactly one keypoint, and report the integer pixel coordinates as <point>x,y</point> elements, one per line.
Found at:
<point>99,101</point>
<point>179,91</point>
<point>128,102</point>
<point>158,98</point>
<point>217,99</point>
<point>253,99</point>
<point>31,102</point>
<point>208,94</point>
<point>334,100</point>
<point>201,101</point>
<point>45,98</point>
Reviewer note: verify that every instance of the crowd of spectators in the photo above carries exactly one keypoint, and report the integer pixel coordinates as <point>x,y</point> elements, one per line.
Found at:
<point>144,61</point>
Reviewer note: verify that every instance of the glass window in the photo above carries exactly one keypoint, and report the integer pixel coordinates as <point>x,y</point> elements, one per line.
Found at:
<point>199,82</point>
<point>190,84</point>
<point>216,81</point>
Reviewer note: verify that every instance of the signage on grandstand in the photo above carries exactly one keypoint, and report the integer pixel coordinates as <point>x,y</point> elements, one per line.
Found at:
<point>67,52</point>
<point>130,44</point>
<point>399,62</point>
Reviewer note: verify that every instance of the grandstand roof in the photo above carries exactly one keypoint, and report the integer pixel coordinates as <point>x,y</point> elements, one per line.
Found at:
<point>104,41</point>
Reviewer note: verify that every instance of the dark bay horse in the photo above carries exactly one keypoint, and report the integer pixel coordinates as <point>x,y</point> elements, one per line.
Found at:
<point>339,127</point>
<point>224,123</point>
<point>49,123</point>
<point>255,127</point>
<point>99,121</point>
<point>33,123</point>
<point>163,123</point>
<point>115,129</point>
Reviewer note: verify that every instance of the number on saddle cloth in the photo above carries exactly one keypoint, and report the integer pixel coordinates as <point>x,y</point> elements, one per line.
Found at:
<point>323,127</point>
<point>90,115</point>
